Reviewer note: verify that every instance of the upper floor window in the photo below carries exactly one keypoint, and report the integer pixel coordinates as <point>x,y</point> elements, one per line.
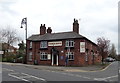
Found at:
<point>69,43</point>
<point>30,56</point>
<point>43,44</point>
<point>70,55</point>
<point>30,44</point>
<point>43,56</point>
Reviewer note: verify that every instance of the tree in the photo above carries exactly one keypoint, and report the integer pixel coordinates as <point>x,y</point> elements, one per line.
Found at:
<point>8,36</point>
<point>112,52</point>
<point>21,51</point>
<point>103,47</point>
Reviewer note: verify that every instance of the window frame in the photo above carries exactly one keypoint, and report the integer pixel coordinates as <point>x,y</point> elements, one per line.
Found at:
<point>43,44</point>
<point>43,56</point>
<point>30,44</point>
<point>70,54</point>
<point>30,56</point>
<point>69,43</point>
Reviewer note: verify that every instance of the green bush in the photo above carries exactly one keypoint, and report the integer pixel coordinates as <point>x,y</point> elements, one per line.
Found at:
<point>4,60</point>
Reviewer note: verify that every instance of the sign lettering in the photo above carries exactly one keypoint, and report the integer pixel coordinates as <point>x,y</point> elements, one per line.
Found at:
<point>57,43</point>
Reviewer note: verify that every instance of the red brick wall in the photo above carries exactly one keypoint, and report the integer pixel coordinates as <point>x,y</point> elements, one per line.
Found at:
<point>79,58</point>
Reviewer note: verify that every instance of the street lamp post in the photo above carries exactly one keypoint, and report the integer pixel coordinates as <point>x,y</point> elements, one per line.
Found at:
<point>24,22</point>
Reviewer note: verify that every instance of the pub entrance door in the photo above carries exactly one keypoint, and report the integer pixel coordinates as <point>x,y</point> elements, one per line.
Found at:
<point>55,55</point>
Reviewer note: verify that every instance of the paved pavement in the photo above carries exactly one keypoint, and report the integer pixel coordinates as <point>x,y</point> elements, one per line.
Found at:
<point>91,68</point>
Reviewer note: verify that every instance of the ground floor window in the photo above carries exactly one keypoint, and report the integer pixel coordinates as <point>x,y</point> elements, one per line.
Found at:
<point>30,56</point>
<point>43,56</point>
<point>70,55</point>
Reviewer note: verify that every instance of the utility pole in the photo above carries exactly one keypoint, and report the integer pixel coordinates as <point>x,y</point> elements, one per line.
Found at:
<point>24,22</point>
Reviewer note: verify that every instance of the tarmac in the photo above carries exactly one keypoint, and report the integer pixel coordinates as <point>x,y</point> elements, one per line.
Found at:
<point>90,68</point>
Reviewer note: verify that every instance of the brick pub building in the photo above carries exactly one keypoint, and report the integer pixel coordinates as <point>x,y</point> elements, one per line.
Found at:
<point>49,48</point>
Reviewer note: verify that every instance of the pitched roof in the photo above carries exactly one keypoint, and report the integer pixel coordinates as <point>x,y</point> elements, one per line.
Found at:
<point>55,36</point>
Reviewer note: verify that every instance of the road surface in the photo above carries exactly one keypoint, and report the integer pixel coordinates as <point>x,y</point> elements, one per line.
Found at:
<point>15,73</point>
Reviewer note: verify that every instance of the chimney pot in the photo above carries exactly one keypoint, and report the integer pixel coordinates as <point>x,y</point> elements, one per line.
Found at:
<point>49,30</point>
<point>42,29</point>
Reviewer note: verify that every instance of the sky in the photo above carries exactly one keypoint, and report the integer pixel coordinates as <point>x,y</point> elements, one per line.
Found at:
<point>97,18</point>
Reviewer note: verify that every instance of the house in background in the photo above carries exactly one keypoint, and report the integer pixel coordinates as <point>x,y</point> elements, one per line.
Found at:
<point>47,48</point>
<point>8,50</point>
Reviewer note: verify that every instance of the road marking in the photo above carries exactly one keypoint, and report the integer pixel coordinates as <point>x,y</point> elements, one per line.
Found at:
<point>107,67</point>
<point>77,70</point>
<point>5,69</point>
<point>105,79</point>
<point>111,77</point>
<point>99,79</point>
<point>34,77</point>
<point>14,73</point>
<point>23,77</point>
<point>18,78</point>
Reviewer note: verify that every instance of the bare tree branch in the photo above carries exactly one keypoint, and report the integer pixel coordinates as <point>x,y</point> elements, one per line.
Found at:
<point>9,35</point>
<point>103,47</point>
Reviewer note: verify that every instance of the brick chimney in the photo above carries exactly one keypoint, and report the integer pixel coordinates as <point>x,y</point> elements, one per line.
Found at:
<point>42,29</point>
<point>49,30</point>
<point>76,26</point>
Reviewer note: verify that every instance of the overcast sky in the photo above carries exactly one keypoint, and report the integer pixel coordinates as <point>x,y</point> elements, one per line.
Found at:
<point>96,18</point>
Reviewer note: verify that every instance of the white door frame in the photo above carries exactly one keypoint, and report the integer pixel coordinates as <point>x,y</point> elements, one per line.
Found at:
<point>52,59</point>
<point>56,59</point>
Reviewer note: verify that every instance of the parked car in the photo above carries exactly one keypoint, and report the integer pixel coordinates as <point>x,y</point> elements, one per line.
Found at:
<point>109,59</point>
<point>19,60</point>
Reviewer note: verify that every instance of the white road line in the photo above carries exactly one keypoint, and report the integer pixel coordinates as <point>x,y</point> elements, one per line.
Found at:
<point>34,77</point>
<point>6,69</point>
<point>14,73</point>
<point>99,79</point>
<point>111,77</point>
<point>105,79</point>
<point>23,77</point>
<point>18,78</point>
<point>107,67</point>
